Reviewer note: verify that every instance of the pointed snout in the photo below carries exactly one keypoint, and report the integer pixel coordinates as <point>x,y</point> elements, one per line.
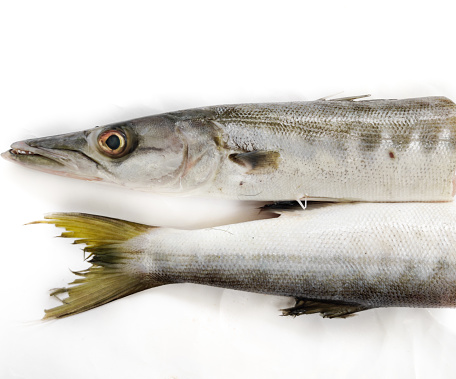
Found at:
<point>60,155</point>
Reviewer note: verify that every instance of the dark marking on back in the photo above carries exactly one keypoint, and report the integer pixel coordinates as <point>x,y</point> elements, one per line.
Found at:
<point>402,137</point>
<point>392,155</point>
<point>257,162</point>
<point>430,134</point>
<point>370,139</point>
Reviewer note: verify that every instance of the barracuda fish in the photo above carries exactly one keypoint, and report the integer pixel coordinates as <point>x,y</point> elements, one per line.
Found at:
<point>334,259</point>
<point>329,150</point>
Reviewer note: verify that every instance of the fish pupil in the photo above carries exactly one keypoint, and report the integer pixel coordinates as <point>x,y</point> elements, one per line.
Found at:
<point>113,142</point>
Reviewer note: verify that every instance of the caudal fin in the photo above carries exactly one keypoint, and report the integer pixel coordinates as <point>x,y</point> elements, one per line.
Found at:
<point>110,277</point>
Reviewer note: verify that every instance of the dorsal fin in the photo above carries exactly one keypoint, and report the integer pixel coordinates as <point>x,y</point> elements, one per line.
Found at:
<point>348,98</point>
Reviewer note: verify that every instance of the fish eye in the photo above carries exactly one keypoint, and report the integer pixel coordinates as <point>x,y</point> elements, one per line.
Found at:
<point>113,143</point>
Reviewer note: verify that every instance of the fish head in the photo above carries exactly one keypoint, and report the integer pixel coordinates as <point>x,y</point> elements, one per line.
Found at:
<point>147,153</point>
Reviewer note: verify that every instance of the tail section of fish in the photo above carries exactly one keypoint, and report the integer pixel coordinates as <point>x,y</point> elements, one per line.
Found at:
<point>114,272</point>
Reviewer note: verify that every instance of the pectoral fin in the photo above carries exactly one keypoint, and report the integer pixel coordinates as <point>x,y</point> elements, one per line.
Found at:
<point>257,162</point>
<point>328,309</point>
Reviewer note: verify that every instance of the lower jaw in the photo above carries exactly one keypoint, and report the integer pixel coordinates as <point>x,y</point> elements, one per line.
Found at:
<point>41,163</point>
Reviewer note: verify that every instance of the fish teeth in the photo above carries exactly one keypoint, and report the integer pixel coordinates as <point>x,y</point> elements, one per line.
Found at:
<point>21,152</point>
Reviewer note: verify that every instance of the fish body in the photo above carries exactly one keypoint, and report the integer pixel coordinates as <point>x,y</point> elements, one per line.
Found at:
<point>340,150</point>
<point>335,259</point>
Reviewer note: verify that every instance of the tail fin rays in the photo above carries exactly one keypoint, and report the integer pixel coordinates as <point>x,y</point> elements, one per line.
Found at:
<point>108,278</point>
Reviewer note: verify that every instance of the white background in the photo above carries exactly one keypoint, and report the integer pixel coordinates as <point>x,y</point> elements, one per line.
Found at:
<point>70,67</point>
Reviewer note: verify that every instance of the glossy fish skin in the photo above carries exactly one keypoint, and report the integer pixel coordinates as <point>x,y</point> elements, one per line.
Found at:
<point>334,258</point>
<point>376,150</point>
<point>375,255</point>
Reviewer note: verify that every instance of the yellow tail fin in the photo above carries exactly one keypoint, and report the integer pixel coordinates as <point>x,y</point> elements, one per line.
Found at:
<point>108,278</point>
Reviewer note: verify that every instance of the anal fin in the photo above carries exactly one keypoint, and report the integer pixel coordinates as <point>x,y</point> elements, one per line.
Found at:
<point>327,309</point>
<point>257,162</point>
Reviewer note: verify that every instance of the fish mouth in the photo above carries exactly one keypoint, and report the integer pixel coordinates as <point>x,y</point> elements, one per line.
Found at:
<point>53,161</point>
<point>21,152</point>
